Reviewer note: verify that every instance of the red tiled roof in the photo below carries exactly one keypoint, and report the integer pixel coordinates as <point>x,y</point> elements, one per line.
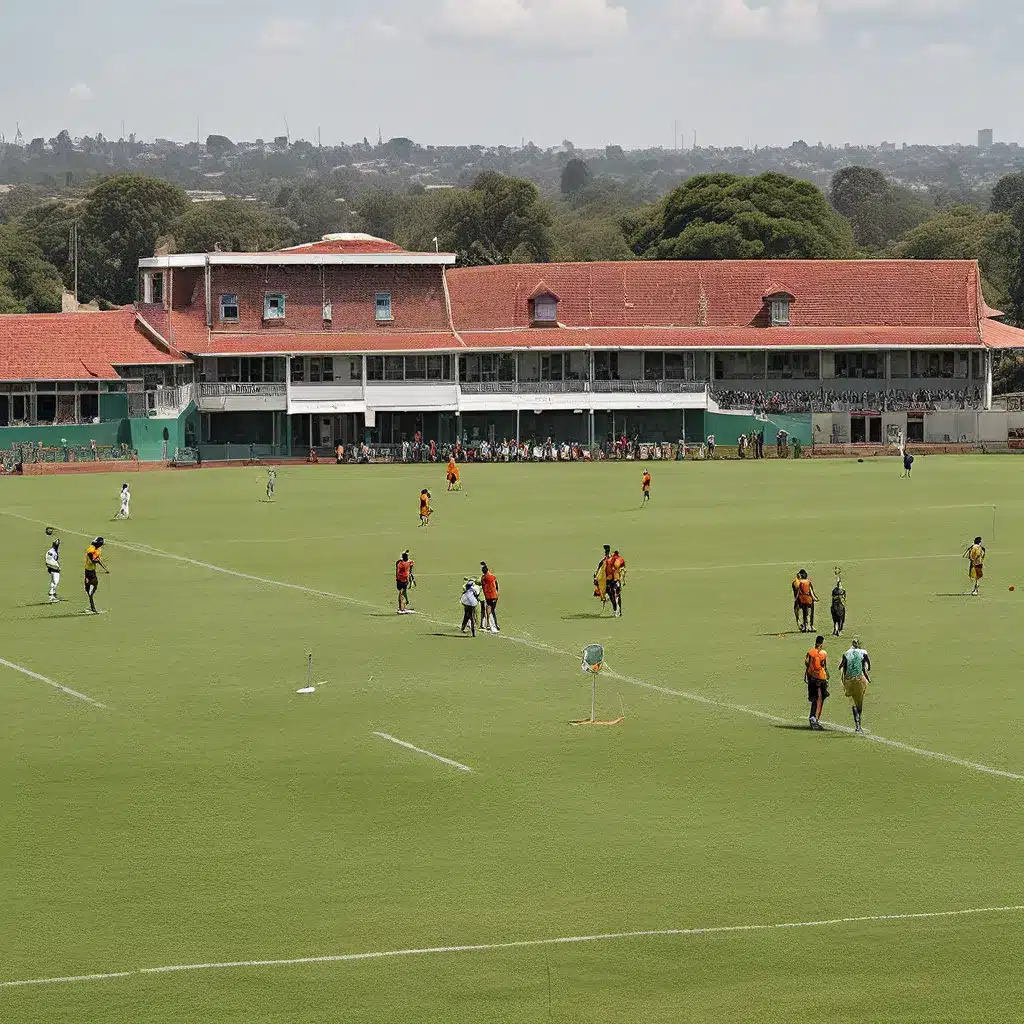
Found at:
<point>542,289</point>
<point>279,343</point>
<point>723,337</point>
<point>722,293</point>
<point>75,346</point>
<point>337,246</point>
<point>997,335</point>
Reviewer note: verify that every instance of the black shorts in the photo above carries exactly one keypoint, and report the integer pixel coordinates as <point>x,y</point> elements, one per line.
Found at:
<point>402,586</point>
<point>492,603</point>
<point>813,685</point>
<point>90,578</point>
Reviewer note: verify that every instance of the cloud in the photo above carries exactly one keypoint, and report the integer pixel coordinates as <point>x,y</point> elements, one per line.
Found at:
<point>795,20</point>
<point>80,91</point>
<point>284,34</point>
<point>543,23</point>
<point>904,8</point>
<point>948,53</point>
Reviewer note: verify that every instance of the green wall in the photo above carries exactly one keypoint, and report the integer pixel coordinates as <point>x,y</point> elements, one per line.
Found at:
<point>146,436</point>
<point>727,427</point>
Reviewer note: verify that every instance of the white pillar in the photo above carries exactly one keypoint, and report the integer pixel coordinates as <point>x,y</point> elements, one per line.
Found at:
<point>989,360</point>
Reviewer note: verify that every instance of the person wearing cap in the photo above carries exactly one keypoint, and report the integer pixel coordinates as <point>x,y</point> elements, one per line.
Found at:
<point>856,665</point>
<point>93,557</point>
<point>816,674</point>
<point>469,605</point>
<point>838,608</point>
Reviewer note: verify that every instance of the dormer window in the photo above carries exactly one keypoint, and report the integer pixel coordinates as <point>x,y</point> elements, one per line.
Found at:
<point>778,301</point>
<point>544,306</point>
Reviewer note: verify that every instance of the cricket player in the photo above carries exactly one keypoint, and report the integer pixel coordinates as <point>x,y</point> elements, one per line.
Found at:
<point>645,483</point>
<point>856,665</point>
<point>816,673</point>
<point>93,557</point>
<point>425,510</point>
<point>838,608</point>
<point>271,483</point>
<point>404,568</point>
<point>975,555</point>
<point>53,568</point>
<point>126,500</point>
<point>803,601</point>
<point>489,586</point>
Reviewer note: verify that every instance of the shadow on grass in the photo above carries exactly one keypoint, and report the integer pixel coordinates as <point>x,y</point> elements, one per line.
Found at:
<point>797,727</point>
<point>451,636</point>
<point>577,616</point>
<point>788,632</point>
<point>961,594</point>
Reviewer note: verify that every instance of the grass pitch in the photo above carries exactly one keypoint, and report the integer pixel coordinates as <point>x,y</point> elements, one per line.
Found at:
<point>208,814</point>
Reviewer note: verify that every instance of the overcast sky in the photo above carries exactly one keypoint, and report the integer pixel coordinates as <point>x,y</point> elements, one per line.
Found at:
<point>498,71</point>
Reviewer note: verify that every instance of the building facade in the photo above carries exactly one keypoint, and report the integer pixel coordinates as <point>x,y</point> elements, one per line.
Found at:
<point>352,338</point>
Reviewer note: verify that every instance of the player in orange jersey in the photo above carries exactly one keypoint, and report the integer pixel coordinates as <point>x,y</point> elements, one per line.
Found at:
<point>646,485</point>
<point>816,674</point>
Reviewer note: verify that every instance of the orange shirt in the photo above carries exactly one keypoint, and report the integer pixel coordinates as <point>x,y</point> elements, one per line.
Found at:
<point>451,467</point>
<point>403,569</point>
<point>490,585</point>
<point>613,566</point>
<point>424,504</point>
<point>647,481</point>
<point>817,664</point>
<point>803,592</point>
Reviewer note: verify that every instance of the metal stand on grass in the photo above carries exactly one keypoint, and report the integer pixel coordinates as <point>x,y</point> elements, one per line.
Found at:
<point>593,659</point>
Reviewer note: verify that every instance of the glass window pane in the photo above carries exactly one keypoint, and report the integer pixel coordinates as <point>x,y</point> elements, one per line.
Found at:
<point>328,369</point>
<point>394,368</point>
<point>415,367</point>
<point>374,367</point>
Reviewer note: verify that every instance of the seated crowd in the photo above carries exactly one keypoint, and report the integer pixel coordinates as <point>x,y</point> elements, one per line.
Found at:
<point>849,400</point>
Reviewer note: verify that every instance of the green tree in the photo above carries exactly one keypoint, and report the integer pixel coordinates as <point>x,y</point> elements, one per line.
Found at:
<point>498,218</point>
<point>48,227</point>
<point>966,233</point>
<point>877,212</point>
<point>1008,193</point>
<point>232,225</point>
<point>122,218</point>
<point>772,216</point>
<point>28,284</point>
<point>380,213</point>
<point>313,208</point>
<point>575,175</point>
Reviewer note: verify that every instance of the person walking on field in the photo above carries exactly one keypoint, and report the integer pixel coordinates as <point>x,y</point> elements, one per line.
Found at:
<point>856,665</point>
<point>816,674</point>
<point>469,606</point>
<point>975,554</point>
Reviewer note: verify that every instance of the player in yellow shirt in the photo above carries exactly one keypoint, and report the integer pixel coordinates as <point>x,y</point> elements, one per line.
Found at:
<point>975,555</point>
<point>93,557</point>
<point>425,510</point>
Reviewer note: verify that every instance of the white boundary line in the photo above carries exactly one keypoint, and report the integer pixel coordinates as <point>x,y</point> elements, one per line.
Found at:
<point>536,645</point>
<point>485,947</point>
<point>420,750</point>
<point>57,686</point>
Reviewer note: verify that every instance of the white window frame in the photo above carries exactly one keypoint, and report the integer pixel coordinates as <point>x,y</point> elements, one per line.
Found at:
<point>283,301</point>
<point>382,300</point>
<point>780,312</point>
<point>545,309</point>
<point>226,301</point>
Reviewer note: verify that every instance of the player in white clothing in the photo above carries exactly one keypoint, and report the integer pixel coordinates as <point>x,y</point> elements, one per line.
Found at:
<point>126,500</point>
<point>53,568</point>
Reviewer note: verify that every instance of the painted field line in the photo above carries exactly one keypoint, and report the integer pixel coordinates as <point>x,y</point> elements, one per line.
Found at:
<point>548,648</point>
<point>420,750</point>
<point>485,947</point>
<point>50,682</point>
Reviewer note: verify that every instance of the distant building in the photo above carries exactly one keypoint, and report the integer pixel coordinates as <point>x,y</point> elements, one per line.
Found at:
<point>985,138</point>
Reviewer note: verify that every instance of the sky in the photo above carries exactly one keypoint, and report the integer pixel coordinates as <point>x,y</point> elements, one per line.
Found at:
<point>595,72</point>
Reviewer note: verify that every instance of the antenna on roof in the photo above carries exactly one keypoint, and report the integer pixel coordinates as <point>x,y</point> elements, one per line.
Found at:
<point>287,132</point>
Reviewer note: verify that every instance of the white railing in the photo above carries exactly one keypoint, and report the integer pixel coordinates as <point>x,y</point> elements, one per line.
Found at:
<point>640,387</point>
<point>243,390</point>
<point>169,401</point>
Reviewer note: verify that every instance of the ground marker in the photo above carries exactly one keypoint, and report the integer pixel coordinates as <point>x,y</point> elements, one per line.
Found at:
<point>419,750</point>
<point>593,659</point>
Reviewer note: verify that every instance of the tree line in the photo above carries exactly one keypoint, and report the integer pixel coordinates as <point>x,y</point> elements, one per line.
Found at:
<point>498,218</point>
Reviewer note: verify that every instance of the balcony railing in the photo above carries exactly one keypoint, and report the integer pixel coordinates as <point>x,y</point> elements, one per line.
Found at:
<point>169,401</point>
<point>242,390</point>
<point>558,387</point>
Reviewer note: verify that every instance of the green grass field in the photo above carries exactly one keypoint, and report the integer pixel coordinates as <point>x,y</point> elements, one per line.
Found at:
<point>207,814</point>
